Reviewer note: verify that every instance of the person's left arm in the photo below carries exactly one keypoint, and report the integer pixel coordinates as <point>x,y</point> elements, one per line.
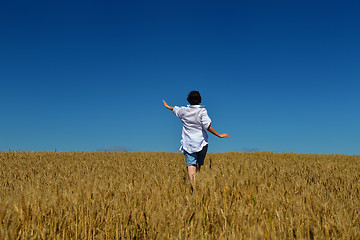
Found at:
<point>167,106</point>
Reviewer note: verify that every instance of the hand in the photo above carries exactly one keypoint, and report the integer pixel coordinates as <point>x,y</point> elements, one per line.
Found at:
<point>167,106</point>
<point>224,135</point>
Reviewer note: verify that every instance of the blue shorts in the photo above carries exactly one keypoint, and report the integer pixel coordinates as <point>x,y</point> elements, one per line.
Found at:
<point>196,157</point>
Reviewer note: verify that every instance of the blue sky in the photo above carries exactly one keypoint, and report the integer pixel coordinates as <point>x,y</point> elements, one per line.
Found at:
<point>281,76</point>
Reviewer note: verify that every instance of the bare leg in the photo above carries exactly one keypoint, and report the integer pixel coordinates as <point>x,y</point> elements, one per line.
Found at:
<point>191,172</point>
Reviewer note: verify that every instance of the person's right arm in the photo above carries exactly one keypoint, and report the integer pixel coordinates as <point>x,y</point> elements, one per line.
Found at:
<point>212,130</point>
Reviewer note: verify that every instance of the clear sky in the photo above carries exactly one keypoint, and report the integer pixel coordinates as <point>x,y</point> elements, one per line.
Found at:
<point>280,76</point>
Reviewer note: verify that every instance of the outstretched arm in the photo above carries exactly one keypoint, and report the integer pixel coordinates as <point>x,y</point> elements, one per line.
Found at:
<point>212,130</point>
<point>167,106</point>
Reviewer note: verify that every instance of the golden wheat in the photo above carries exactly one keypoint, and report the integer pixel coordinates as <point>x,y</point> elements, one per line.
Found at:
<point>146,195</point>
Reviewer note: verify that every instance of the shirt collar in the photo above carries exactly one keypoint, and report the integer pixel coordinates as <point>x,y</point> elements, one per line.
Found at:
<point>195,106</point>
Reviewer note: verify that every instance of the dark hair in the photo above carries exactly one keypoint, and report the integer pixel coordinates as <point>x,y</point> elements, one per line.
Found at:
<point>194,98</point>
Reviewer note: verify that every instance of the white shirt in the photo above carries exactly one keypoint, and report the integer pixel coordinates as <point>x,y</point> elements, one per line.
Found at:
<point>195,121</point>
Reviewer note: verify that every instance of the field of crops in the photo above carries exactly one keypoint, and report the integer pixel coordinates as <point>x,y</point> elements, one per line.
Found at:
<point>146,195</point>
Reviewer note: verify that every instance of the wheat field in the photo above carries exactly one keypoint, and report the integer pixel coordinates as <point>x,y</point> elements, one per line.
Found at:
<point>146,195</point>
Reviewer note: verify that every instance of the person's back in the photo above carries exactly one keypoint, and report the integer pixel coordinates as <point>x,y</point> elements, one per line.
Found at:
<point>195,121</point>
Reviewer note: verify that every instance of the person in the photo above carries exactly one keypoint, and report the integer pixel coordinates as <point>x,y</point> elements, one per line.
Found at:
<point>194,142</point>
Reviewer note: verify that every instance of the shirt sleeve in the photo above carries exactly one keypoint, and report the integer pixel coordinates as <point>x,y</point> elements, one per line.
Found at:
<point>177,111</point>
<point>205,120</point>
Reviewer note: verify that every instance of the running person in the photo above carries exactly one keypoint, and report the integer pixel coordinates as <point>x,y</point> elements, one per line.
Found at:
<point>194,142</point>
